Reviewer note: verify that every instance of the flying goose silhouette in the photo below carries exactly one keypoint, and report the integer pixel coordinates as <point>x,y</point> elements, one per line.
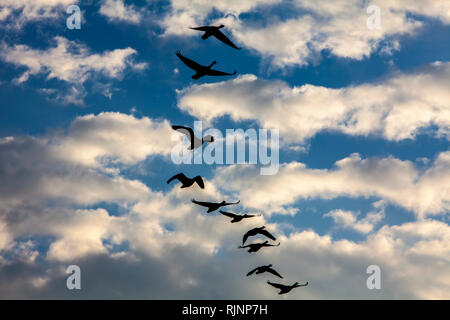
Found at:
<point>213,206</point>
<point>263,269</point>
<point>285,289</point>
<point>215,31</point>
<point>187,182</point>
<point>255,231</point>
<point>237,217</point>
<point>195,141</point>
<point>202,70</point>
<point>254,247</point>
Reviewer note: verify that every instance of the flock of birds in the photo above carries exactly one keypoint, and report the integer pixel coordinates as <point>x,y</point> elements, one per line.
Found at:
<point>196,142</point>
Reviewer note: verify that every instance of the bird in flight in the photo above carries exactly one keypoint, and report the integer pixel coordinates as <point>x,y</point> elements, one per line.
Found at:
<point>195,142</point>
<point>254,247</point>
<point>202,70</point>
<point>213,206</point>
<point>215,31</point>
<point>286,289</point>
<point>187,182</point>
<point>255,231</point>
<point>237,217</point>
<point>263,269</point>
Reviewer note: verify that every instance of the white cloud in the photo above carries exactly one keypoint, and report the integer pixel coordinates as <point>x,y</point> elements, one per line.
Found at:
<point>396,108</point>
<point>82,167</point>
<point>348,219</point>
<point>80,234</point>
<point>414,259</point>
<point>32,174</point>
<point>4,235</point>
<point>190,13</point>
<point>116,10</point>
<point>70,62</point>
<point>337,26</point>
<point>396,181</point>
<point>409,255</point>
<point>113,137</point>
<point>164,246</point>
<point>19,12</point>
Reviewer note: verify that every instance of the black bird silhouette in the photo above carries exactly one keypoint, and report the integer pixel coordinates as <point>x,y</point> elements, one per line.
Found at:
<point>215,31</point>
<point>237,217</point>
<point>263,269</point>
<point>202,70</point>
<point>255,231</point>
<point>187,182</point>
<point>195,141</point>
<point>254,247</point>
<point>213,206</point>
<point>286,289</point>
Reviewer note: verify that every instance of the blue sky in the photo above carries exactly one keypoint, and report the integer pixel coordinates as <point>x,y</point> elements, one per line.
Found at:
<point>364,128</point>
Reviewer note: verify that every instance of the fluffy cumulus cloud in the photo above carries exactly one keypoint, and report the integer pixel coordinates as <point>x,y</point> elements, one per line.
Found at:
<point>391,179</point>
<point>18,12</point>
<point>65,200</point>
<point>113,137</point>
<point>349,220</point>
<point>339,27</point>
<point>190,13</point>
<point>396,108</point>
<point>200,259</point>
<point>117,10</point>
<point>80,195</point>
<point>82,166</point>
<point>70,62</point>
<point>402,252</point>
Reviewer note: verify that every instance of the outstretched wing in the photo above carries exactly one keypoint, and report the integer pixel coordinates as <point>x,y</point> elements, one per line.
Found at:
<point>228,214</point>
<point>245,237</point>
<point>267,234</point>
<point>188,132</point>
<point>266,244</point>
<point>203,28</point>
<point>199,181</point>
<point>190,63</point>
<point>200,203</point>
<point>219,35</point>
<point>179,176</point>
<point>230,203</point>
<point>276,285</point>
<point>252,272</point>
<point>274,272</point>
<point>213,72</point>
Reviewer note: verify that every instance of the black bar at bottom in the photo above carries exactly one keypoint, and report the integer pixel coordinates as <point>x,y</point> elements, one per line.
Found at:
<point>226,309</point>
